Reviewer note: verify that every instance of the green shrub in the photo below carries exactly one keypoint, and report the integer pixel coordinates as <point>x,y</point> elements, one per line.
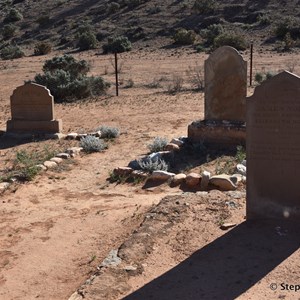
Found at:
<point>288,25</point>
<point>150,165</point>
<point>8,31</point>
<point>211,32</point>
<point>67,63</point>
<point>259,77</point>
<point>262,76</point>
<point>264,19</point>
<point>113,7</point>
<point>205,6</point>
<point>92,144</point>
<point>199,48</point>
<point>230,39</point>
<point>66,78</point>
<point>108,132</point>
<point>13,16</point>
<point>117,45</point>
<point>87,40</point>
<point>158,144</point>
<point>42,48</point>
<point>185,37</point>
<point>11,52</point>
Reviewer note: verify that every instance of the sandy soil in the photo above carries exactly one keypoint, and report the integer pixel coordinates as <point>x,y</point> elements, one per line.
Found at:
<point>57,229</point>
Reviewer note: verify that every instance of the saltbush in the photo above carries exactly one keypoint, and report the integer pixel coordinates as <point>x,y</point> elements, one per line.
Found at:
<point>108,132</point>
<point>11,52</point>
<point>211,32</point>
<point>92,144</point>
<point>286,26</point>
<point>117,45</point>
<point>184,37</point>
<point>86,41</point>
<point>150,165</point>
<point>66,78</point>
<point>158,144</point>
<point>230,39</point>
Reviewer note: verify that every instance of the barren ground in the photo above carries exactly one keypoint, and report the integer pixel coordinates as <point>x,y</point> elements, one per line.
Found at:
<point>57,229</point>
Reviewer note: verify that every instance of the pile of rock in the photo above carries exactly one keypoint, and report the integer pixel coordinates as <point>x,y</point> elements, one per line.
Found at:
<point>191,180</point>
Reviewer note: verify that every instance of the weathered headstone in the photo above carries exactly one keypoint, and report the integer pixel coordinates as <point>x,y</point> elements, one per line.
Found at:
<point>225,101</point>
<point>32,110</point>
<point>273,149</point>
<point>225,85</point>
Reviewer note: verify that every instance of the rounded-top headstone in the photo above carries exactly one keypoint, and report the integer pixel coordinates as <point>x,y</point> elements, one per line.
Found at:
<point>225,85</point>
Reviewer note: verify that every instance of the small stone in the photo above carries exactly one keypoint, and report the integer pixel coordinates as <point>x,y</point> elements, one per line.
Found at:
<point>130,268</point>
<point>42,167</point>
<point>139,174</point>
<point>74,150</point>
<point>192,179</point>
<point>123,171</point>
<point>4,186</point>
<point>204,180</point>
<point>112,259</point>
<point>71,136</point>
<point>63,155</point>
<point>172,147</point>
<point>236,178</point>
<point>57,160</point>
<point>178,179</point>
<point>241,169</point>
<point>226,226</point>
<point>161,175</point>
<point>50,164</point>
<point>223,182</point>
<point>244,162</point>
<point>177,142</point>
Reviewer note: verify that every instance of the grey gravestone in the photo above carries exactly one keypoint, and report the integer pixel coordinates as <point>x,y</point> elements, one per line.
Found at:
<point>32,110</point>
<point>225,85</point>
<point>273,149</point>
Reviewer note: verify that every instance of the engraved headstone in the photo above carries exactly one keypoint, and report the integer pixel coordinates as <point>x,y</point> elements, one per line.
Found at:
<point>32,110</point>
<point>273,149</point>
<point>225,85</point>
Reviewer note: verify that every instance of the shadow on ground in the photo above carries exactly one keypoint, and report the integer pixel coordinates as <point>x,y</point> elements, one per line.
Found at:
<point>227,267</point>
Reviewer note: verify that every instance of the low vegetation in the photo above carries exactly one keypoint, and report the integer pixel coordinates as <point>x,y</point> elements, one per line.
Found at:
<point>25,166</point>
<point>150,165</point>
<point>117,45</point>
<point>185,37</point>
<point>42,48</point>
<point>108,132</point>
<point>11,52</point>
<point>67,79</point>
<point>92,144</point>
<point>158,144</point>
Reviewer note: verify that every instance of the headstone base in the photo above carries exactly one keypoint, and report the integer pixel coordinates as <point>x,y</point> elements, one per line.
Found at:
<point>218,134</point>
<point>25,126</point>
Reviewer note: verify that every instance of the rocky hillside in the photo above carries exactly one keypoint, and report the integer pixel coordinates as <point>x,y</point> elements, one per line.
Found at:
<point>148,23</point>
